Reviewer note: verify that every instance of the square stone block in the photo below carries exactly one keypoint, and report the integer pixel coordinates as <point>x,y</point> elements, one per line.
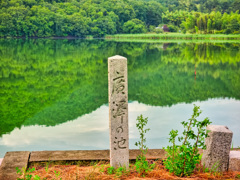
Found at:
<point>216,155</point>
<point>234,160</point>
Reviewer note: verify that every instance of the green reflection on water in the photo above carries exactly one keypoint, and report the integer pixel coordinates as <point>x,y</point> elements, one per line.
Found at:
<point>48,82</point>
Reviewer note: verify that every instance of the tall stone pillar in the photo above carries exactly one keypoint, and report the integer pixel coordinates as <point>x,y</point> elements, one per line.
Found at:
<point>118,111</point>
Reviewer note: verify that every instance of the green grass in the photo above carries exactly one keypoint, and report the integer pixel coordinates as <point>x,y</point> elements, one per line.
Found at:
<point>176,36</point>
<point>172,40</point>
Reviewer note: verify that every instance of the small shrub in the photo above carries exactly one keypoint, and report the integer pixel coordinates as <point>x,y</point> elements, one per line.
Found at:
<point>57,174</point>
<point>26,174</point>
<point>110,170</point>
<point>196,29</point>
<point>236,32</point>
<point>120,171</point>
<point>182,159</point>
<point>227,31</point>
<point>172,28</point>
<point>158,30</point>
<point>151,28</point>
<point>142,166</point>
<point>218,32</point>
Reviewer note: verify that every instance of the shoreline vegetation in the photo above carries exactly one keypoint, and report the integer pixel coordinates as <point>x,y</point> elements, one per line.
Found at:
<point>96,18</point>
<point>176,36</point>
<point>153,38</point>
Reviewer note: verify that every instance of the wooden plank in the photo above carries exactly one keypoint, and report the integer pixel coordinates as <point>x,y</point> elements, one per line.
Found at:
<point>10,162</point>
<point>88,155</point>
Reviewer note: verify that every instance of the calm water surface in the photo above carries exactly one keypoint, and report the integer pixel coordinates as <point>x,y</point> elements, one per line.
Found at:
<point>53,93</point>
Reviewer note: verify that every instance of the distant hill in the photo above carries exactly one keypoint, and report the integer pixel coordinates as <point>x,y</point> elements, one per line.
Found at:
<point>39,18</point>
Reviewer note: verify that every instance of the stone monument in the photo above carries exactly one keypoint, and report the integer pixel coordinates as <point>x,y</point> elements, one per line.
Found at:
<point>118,111</point>
<point>216,156</point>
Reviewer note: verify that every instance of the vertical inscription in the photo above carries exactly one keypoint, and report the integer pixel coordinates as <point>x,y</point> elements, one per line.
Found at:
<point>118,111</point>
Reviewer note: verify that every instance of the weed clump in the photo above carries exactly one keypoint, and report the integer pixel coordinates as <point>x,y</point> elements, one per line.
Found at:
<point>182,159</point>
<point>142,165</point>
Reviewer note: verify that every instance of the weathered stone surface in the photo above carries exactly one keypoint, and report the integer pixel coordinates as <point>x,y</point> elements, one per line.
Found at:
<point>90,155</point>
<point>234,160</point>
<point>118,111</point>
<point>216,156</point>
<point>69,155</point>
<point>10,162</point>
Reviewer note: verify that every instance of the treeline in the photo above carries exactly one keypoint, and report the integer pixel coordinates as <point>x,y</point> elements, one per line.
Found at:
<point>203,23</point>
<point>76,18</point>
<point>204,6</point>
<point>79,18</point>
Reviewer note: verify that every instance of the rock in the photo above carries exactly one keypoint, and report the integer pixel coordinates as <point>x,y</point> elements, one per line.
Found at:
<point>11,161</point>
<point>234,160</point>
<point>216,155</point>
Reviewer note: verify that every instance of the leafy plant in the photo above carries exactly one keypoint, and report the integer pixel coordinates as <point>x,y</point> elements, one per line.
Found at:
<point>20,171</point>
<point>47,166</point>
<point>57,174</point>
<point>120,171</point>
<point>110,170</point>
<point>182,159</point>
<point>26,174</point>
<point>142,165</point>
<point>37,177</point>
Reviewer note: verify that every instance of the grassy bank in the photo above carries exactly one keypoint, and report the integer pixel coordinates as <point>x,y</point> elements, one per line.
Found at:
<point>173,40</point>
<point>176,36</point>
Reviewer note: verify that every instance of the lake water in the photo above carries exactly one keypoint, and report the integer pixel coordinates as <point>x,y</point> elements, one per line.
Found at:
<point>54,93</point>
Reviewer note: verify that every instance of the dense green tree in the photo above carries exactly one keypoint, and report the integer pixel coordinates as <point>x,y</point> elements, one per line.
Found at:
<point>234,25</point>
<point>62,25</point>
<point>236,6</point>
<point>42,21</point>
<point>134,26</point>
<point>43,18</point>
<point>154,13</point>
<point>212,23</point>
<point>140,8</point>
<point>79,25</point>
<point>176,17</point>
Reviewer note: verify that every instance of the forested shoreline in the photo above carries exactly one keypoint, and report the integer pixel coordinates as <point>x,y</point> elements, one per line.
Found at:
<point>97,18</point>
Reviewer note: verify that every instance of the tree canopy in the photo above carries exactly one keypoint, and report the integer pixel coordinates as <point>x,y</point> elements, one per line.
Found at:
<point>79,18</point>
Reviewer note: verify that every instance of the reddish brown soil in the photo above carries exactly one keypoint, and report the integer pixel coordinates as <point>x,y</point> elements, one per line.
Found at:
<point>99,171</point>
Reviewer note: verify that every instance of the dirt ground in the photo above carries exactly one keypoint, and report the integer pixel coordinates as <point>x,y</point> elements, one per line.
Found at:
<point>99,170</point>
